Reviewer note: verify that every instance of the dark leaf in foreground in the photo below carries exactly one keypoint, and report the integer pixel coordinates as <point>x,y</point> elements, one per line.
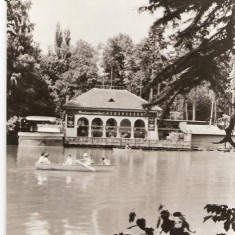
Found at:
<point>160,207</point>
<point>149,231</point>
<point>141,223</point>
<point>206,218</point>
<point>158,222</point>
<point>132,216</point>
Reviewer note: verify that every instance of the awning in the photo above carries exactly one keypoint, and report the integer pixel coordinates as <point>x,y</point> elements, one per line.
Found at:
<point>41,119</point>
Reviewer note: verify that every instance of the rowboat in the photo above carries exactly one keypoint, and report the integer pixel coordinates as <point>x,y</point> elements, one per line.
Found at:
<point>60,167</point>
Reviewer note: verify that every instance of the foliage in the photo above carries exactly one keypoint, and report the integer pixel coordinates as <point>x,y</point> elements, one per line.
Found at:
<point>118,62</point>
<point>69,70</point>
<point>176,223</point>
<point>12,124</point>
<point>201,44</point>
<point>221,213</point>
<point>149,60</point>
<point>12,129</point>
<point>83,72</point>
<point>168,223</point>
<point>27,92</point>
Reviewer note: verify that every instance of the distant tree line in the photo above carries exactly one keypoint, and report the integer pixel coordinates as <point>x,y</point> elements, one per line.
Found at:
<point>162,69</point>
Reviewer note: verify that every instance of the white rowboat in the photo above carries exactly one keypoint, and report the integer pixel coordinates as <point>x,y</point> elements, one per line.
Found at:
<point>60,167</point>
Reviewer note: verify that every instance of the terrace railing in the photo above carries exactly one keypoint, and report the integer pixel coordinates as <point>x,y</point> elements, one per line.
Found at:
<point>122,142</point>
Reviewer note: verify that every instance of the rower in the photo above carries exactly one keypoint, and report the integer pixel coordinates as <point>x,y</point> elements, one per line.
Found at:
<point>106,161</point>
<point>41,158</point>
<point>86,160</point>
<point>44,159</point>
<point>68,161</point>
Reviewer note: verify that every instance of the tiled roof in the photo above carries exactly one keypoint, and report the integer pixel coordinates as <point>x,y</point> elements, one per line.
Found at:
<point>108,99</point>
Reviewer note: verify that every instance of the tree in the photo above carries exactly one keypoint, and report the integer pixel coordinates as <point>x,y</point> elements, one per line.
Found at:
<point>82,74</point>
<point>203,40</point>
<point>55,64</point>
<point>117,60</point>
<point>27,91</point>
<point>149,61</point>
<point>70,72</point>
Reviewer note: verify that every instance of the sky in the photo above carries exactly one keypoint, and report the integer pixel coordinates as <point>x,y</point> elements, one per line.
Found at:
<point>91,20</point>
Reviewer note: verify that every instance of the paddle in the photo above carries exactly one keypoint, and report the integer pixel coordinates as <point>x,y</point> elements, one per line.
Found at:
<point>88,167</point>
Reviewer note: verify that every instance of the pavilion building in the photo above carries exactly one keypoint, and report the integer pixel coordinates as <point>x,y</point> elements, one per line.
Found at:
<point>110,113</point>
<point>110,117</point>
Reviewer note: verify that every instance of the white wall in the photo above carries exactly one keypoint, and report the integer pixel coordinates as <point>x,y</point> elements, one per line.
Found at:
<point>72,132</point>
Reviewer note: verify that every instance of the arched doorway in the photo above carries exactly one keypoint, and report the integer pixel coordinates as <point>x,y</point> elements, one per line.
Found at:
<point>83,127</point>
<point>97,127</point>
<point>111,128</point>
<point>125,128</point>
<point>139,129</point>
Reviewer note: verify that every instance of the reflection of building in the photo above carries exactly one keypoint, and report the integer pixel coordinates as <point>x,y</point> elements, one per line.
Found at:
<point>111,118</point>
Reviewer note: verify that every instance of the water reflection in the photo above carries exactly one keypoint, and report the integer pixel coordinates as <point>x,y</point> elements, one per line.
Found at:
<point>35,223</point>
<point>54,202</point>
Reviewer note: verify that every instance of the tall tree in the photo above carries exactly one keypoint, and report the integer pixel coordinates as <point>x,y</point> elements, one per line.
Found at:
<point>82,74</point>
<point>27,92</point>
<point>203,39</point>
<point>117,60</point>
<point>55,64</point>
<point>149,61</point>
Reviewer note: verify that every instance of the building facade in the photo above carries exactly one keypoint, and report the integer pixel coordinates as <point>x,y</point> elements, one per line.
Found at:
<point>108,113</point>
<point>113,118</point>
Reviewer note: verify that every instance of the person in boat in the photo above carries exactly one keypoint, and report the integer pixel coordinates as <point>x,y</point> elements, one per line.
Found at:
<point>68,161</point>
<point>86,160</point>
<point>127,146</point>
<point>41,158</point>
<point>105,161</point>
<point>44,159</point>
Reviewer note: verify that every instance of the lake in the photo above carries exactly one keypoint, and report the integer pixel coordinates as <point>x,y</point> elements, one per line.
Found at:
<point>98,203</point>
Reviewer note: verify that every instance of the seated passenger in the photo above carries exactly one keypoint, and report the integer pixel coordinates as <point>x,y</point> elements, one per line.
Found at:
<point>41,158</point>
<point>105,161</point>
<point>44,159</point>
<point>127,146</point>
<point>68,161</point>
<point>86,160</point>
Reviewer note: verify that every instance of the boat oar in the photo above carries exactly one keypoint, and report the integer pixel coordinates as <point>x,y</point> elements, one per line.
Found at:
<point>86,166</point>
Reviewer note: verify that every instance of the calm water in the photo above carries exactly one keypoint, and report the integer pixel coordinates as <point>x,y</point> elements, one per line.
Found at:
<point>84,203</point>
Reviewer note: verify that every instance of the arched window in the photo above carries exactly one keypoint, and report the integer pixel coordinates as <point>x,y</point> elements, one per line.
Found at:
<point>97,127</point>
<point>125,128</point>
<point>139,129</point>
<point>83,127</point>
<point>111,128</point>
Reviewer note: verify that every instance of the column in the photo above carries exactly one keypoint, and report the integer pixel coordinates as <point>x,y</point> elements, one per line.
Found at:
<point>118,128</point>
<point>89,127</point>
<point>104,131</point>
<point>132,129</point>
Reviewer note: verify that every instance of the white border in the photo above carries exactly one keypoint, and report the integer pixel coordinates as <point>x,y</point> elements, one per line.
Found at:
<point>3,42</point>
